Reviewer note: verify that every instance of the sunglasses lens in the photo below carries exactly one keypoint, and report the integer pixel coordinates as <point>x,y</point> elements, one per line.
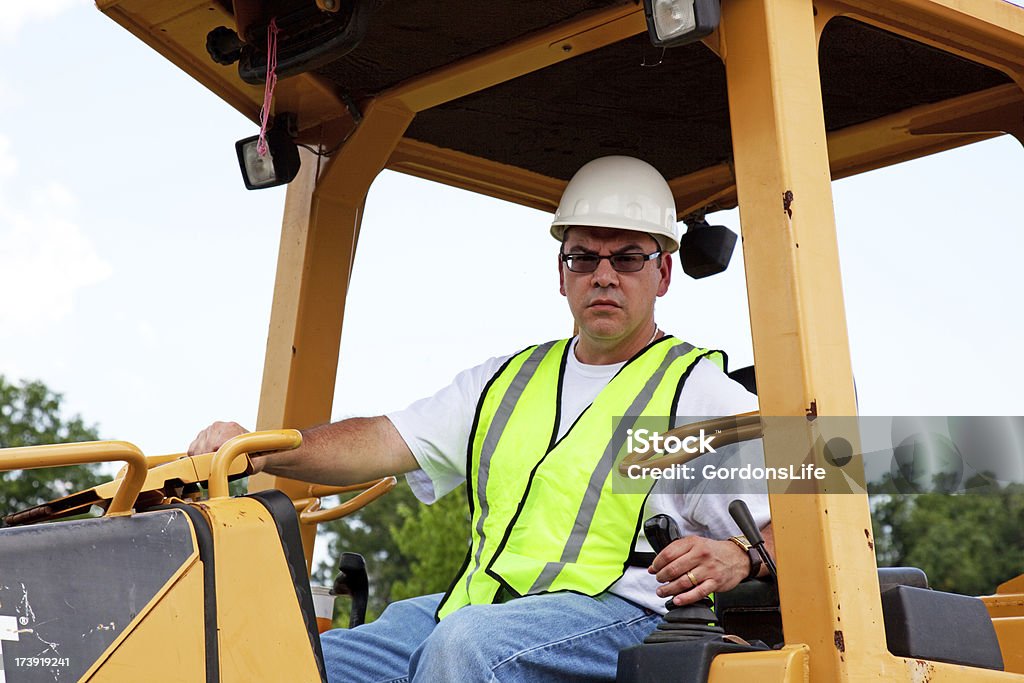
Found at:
<point>628,263</point>
<point>582,263</point>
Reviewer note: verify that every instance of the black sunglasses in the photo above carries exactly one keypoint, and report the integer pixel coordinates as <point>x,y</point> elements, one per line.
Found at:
<point>622,263</point>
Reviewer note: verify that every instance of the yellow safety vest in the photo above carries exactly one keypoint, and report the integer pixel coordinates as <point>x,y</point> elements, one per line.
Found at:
<point>544,517</point>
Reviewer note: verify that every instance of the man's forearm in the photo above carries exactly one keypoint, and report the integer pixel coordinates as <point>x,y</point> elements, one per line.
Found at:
<point>347,452</point>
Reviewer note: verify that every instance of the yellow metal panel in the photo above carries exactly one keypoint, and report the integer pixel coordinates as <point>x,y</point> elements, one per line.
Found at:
<point>827,579</point>
<point>921,671</point>
<point>788,665</point>
<point>168,643</point>
<point>1014,585</point>
<point>1010,631</point>
<point>262,636</point>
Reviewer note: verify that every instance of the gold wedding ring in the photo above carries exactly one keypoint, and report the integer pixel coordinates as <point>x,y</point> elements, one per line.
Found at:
<point>692,578</point>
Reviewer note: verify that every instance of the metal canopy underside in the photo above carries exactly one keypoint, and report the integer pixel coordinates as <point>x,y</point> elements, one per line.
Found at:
<point>676,114</point>
<point>409,38</point>
<point>523,137</point>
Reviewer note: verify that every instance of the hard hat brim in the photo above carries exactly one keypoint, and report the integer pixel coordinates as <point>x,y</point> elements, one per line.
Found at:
<point>665,243</point>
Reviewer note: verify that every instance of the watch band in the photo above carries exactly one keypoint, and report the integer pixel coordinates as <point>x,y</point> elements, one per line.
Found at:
<point>752,554</point>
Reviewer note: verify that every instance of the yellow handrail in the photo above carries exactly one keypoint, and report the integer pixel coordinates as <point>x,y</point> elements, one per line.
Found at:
<point>253,442</point>
<point>309,508</point>
<point>88,452</point>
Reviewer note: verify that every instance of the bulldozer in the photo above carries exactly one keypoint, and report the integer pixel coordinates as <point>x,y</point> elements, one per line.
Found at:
<point>755,104</point>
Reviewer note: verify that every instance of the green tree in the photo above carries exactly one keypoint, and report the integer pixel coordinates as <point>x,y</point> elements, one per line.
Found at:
<point>410,548</point>
<point>30,415</point>
<point>433,539</point>
<point>966,543</point>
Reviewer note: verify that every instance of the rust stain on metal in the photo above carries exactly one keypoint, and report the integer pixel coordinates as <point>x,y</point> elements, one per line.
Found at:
<point>871,544</point>
<point>840,643</point>
<point>922,671</point>
<point>787,202</point>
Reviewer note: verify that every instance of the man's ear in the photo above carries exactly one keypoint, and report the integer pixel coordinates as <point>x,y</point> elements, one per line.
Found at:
<point>561,276</point>
<point>666,274</point>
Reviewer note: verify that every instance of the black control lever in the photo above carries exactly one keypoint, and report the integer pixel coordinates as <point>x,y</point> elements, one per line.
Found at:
<point>689,622</point>
<point>745,521</point>
<point>660,530</point>
<point>352,581</point>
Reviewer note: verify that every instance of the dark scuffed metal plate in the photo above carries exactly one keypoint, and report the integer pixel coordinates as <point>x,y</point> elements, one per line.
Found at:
<point>68,590</point>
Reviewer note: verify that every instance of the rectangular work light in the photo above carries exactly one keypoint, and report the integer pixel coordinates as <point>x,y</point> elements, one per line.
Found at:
<point>278,166</point>
<point>671,23</point>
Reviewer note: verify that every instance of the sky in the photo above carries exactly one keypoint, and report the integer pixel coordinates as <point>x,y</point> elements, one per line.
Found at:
<point>136,272</point>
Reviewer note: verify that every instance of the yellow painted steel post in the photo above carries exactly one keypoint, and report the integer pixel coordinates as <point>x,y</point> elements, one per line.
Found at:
<point>318,243</point>
<point>827,578</point>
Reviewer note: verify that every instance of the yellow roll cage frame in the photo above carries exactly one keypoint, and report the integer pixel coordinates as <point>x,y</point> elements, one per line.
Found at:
<point>831,609</point>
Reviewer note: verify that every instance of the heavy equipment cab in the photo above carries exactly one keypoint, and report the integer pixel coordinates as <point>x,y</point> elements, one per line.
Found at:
<point>760,106</point>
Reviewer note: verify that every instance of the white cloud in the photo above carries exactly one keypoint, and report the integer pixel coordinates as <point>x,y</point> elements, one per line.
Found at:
<point>14,14</point>
<point>45,258</point>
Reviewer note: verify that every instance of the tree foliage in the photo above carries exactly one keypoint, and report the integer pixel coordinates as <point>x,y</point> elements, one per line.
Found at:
<point>434,540</point>
<point>30,415</point>
<point>410,548</point>
<point>966,543</point>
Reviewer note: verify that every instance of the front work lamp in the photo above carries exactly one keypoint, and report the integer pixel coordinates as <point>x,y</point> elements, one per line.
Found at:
<point>279,166</point>
<point>671,23</point>
<point>705,249</point>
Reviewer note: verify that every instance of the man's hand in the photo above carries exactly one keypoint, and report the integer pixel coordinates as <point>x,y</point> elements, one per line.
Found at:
<point>215,436</point>
<point>693,567</point>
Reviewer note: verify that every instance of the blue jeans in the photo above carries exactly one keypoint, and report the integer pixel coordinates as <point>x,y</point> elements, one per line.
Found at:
<point>552,637</point>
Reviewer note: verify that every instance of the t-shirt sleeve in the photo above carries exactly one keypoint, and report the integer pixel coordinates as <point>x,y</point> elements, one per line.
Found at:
<point>437,428</point>
<point>709,393</point>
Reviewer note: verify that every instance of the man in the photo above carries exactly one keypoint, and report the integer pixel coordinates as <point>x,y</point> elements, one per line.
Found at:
<point>550,589</point>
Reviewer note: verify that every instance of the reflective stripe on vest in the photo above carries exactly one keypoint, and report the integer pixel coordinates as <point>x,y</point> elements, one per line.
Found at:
<point>544,517</point>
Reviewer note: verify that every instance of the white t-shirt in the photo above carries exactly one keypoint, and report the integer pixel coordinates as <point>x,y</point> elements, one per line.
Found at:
<point>437,432</point>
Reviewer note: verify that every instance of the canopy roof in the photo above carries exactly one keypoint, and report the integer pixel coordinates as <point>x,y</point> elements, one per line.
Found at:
<point>510,98</point>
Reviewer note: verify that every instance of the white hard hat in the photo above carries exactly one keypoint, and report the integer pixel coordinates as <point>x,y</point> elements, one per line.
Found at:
<point>623,193</point>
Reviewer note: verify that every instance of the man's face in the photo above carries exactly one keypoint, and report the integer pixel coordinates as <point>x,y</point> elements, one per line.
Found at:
<point>609,306</point>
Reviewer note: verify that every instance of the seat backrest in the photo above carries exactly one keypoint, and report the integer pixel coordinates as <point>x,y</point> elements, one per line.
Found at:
<point>751,609</point>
